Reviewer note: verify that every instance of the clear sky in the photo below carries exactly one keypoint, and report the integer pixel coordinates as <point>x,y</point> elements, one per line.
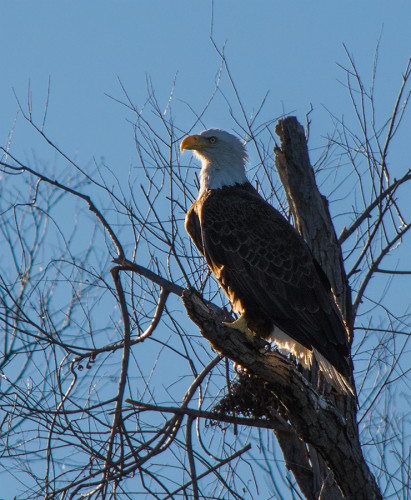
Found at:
<point>290,49</point>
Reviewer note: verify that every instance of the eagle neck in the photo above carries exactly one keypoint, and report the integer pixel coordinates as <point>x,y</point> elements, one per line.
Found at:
<point>215,175</point>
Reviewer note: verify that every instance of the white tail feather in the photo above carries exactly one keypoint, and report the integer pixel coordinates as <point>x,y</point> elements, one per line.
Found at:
<point>332,375</point>
<point>304,356</point>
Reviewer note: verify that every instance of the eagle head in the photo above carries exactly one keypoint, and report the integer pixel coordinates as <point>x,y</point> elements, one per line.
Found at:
<point>222,155</point>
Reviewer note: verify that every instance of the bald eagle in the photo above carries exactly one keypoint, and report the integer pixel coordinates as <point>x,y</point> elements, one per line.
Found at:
<point>263,265</point>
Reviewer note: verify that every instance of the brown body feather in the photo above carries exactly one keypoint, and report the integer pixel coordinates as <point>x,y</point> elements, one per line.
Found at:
<point>267,270</point>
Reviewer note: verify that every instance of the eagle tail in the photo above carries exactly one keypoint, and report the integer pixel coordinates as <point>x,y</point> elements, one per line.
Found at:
<point>332,375</point>
<point>304,357</point>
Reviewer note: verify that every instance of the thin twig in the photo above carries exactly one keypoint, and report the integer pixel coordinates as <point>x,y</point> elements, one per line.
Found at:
<point>212,469</point>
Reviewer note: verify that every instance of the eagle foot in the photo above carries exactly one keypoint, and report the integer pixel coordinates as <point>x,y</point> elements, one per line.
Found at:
<point>241,325</point>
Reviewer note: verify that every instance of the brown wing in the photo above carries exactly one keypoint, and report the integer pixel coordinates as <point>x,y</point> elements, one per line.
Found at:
<point>261,261</point>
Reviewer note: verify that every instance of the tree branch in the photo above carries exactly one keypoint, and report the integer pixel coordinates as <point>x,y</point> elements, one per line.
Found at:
<point>346,233</point>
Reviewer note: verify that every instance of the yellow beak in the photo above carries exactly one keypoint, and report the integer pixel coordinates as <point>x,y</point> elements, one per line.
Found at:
<point>193,142</point>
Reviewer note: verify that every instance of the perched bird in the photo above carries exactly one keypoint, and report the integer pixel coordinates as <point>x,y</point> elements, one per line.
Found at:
<point>263,265</point>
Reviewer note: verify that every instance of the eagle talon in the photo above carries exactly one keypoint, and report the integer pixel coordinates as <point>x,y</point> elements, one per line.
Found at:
<point>241,325</point>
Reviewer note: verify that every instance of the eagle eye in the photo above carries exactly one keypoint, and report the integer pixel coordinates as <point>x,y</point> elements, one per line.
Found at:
<point>212,140</point>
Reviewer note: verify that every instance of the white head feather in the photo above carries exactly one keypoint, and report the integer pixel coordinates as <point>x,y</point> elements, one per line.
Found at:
<point>223,157</point>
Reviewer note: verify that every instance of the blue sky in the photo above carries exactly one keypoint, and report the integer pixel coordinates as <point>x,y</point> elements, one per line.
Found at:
<point>289,49</point>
